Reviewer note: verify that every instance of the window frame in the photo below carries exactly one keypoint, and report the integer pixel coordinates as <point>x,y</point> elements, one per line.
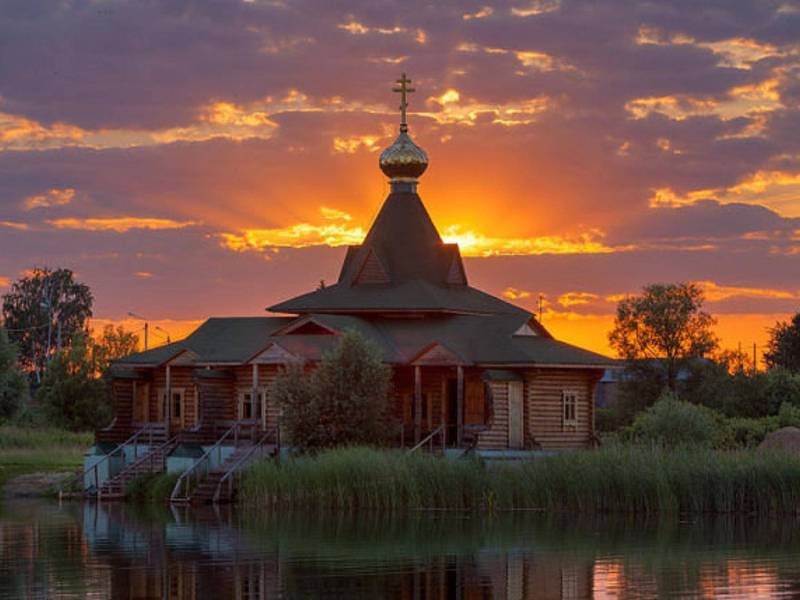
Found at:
<point>569,408</point>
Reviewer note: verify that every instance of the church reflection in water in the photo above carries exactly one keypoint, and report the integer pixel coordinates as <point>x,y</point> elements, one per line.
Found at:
<point>122,552</point>
<point>211,554</point>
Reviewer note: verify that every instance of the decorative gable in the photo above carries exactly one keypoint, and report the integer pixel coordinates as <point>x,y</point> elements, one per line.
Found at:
<point>307,325</point>
<point>526,329</point>
<point>274,354</point>
<point>437,355</point>
<point>456,274</point>
<point>371,270</point>
<point>185,358</point>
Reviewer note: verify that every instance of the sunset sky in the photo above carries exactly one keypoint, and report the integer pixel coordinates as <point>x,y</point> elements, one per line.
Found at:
<point>209,158</point>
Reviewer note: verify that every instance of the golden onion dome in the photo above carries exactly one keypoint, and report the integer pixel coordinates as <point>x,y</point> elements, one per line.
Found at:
<point>403,159</point>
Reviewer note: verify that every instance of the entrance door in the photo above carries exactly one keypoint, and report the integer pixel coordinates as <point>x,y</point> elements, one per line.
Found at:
<point>515,415</point>
<point>141,402</point>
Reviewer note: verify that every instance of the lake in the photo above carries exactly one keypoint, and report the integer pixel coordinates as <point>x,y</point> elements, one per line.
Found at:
<point>116,551</point>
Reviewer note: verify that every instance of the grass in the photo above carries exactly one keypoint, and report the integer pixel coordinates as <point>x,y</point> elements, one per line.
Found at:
<point>151,489</point>
<point>620,479</point>
<point>30,450</point>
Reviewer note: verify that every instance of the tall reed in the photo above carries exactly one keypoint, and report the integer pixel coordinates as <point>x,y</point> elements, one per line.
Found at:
<point>618,479</point>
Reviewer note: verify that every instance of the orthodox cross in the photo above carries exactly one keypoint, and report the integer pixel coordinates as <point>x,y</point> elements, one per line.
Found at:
<point>403,90</point>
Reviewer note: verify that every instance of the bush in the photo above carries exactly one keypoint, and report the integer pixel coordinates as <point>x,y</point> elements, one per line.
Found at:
<point>13,382</point>
<point>671,422</point>
<point>607,420</point>
<point>71,395</point>
<point>344,401</point>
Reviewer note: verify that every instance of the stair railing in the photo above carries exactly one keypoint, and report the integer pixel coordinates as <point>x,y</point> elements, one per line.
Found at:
<point>256,451</point>
<point>120,448</point>
<point>147,458</point>
<point>202,464</point>
<point>428,439</point>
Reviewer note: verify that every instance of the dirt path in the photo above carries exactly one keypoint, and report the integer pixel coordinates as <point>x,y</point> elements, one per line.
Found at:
<point>33,485</point>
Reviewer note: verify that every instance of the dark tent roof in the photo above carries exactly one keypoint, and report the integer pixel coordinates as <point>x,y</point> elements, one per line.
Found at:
<point>402,267</point>
<point>412,270</point>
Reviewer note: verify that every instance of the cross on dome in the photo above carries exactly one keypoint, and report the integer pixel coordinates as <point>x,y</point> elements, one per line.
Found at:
<point>403,162</point>
<point>403,90</point>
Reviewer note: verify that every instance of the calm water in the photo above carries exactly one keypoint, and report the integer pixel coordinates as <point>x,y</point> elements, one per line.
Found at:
<point>113,551</point>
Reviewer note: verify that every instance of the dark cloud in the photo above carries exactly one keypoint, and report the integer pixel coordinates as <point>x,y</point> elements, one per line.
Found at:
<point>584,163</point>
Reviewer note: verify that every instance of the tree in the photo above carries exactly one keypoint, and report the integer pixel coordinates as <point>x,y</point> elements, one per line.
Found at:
<point>345,400</point>
<point>783,349</point>
<point>13,383</point>
<point>666,326</point>
<point>71,395</point>
<point>113,343</point>
<point>43,312</point>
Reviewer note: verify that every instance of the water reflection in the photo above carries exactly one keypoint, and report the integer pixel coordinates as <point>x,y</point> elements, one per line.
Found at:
<point>120,552</point>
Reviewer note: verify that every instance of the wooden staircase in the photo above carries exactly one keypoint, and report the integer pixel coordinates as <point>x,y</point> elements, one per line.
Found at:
<point>202,484</point>
<point>149,434</point>
<point>154,461</point>
<point>206,490</point>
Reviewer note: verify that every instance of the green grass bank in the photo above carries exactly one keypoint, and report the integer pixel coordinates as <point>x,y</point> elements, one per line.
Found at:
<point>621,479</point>
<point>29,450</point>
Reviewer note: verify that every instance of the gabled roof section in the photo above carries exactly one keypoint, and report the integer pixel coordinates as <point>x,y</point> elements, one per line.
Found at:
<point>307,325</point>
<point>437,354</point>
<point>184,358</point>
<point>456,275</point>
<point>229,340</point>
<point>274,353</point>
<point>371,270</point>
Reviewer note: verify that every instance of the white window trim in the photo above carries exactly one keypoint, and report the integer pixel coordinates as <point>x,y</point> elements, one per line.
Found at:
<point>260,390</point>
<point>161,398</point>
<point>565,422</point>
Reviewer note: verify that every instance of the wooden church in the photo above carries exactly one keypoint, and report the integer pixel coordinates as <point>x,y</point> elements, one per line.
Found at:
<point>469,367</point>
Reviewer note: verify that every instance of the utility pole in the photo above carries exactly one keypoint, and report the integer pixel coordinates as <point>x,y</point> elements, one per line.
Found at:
<point>541,303</point>
<point>146,327</point>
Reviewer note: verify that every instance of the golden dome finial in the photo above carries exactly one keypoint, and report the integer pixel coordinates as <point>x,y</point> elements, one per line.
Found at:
<point>403,161</point>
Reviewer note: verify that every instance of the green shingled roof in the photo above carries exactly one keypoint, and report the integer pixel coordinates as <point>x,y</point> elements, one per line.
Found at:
<point>422,276</point>
<point>219,340</point>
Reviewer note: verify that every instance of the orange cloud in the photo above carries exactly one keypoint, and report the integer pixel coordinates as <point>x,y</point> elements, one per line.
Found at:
<point>481,13</point>
<point>453,110</point>
<point>715,292</point>
<point>15,225</point>
<point>52,197</point>
<point>119,224</point>
<point>513,293</point>
<point>143,274</point>
<point>351,144</point>
<point>473,243</point>
<point>5,282</point>
<point>738,52</point>
<point>775,189</point>
<point>536,7</point>
<point>742,101</point>
<point>337,232</point>
<point>354,27</point>
<point>576,298</point>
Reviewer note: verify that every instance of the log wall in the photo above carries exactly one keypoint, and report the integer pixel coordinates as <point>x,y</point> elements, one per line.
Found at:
<point>545,427</point>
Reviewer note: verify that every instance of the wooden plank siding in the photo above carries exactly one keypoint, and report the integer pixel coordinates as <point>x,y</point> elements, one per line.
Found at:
<point>544,419</point>
<point>213,399</point>
<point>497,434</point>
